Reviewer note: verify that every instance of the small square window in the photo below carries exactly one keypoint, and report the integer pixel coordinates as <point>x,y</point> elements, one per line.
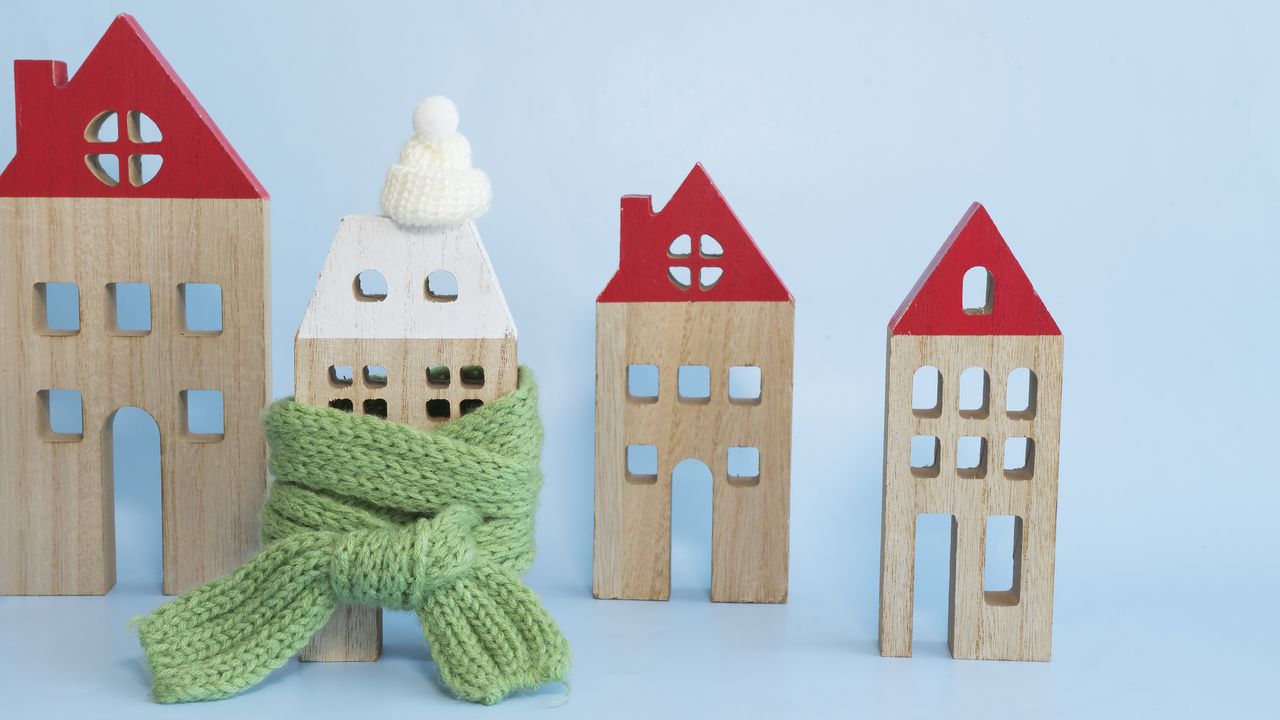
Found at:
<point>471,375</point>
<point>971,456</point>
<point>438,375</point>
<point>439,409</point>
<point>925,456</point>
<point>201,308</point>
<point>743,464</point>
<point>343,404</point>
<point>642,382</point>
<point>203,412</point>
<point>57,308</point>
<point>376,407</point>
<point>1019,458</point>
<point>694,383</point>
<point>744,385</point>
<point>61,415</point>
<point>130,305</point>
<point>375,376</point>
<point>468,405</point>
<point>642,463</point>
<point>341,375</point>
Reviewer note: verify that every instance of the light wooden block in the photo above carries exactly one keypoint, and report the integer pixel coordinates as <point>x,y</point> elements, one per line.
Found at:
<point>1015,331</point>
<point>406,332</point>
<point>202,218</point>
<point>645,316</point>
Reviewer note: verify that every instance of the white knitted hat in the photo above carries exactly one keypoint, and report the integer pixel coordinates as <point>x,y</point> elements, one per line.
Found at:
<point>434,183</point>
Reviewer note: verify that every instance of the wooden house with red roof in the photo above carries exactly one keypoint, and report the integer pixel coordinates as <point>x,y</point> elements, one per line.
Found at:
<point>694,344</point>
<point>972,406</point>
<point>135,248</point>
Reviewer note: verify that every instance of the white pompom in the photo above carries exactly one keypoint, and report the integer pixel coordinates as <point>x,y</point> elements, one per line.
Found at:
<point>435,118</point>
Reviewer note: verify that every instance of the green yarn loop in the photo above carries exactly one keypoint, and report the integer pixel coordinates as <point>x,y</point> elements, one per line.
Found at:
<point>377,513</point>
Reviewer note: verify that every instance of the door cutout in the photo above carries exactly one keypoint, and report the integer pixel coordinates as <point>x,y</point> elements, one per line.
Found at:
<point>934,580</point>
<point>131,464</point>
<point>691,530</point>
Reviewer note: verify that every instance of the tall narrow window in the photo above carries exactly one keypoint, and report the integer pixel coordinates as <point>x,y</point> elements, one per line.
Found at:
<point>57,308</point>
<point>201,308</point>
<point>978,291</point>
<point>1020,394</point>
<point>926,392</point>
<point>975,391</point>
<point>1002,566</point>
<point>130,307</point>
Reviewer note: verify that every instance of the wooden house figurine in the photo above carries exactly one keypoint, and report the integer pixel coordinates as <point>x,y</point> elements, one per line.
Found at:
<point>693,360</point>
<point>407,321</point>
<point>135,250</point>
<point>973,392</point>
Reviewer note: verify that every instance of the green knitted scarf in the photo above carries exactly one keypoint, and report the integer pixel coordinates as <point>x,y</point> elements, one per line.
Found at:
<point>377,513</point>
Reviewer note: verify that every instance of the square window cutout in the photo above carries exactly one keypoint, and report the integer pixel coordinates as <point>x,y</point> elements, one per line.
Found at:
<point>1019,458</point>
<point>201,308</point>
<point>642,463</point>
<point>438,375</point>
<point>343,404</point>
<point>376,407</point>
<point>743,465</point>
<point>130,305</point>
<point>642,382</point>
<point>925,456</point>
<point>469,405</point>
<point>61,415</point>
<point>694,383</point>
<point>744,385</point>
<point>971,456</point>
<point>57,308</point>
<point>341,375</point>
<point>471,375</point>
<point>203,413</point>
<point>439,409</point>
<point>375,376</point>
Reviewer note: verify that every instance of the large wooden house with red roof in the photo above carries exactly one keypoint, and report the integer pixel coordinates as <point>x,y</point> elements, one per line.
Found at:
<point>693,361</point>
<point>972,405</point>
<point>135,248</point>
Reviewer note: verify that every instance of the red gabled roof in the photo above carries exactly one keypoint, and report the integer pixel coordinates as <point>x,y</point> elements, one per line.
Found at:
<point>696,209</point>
<point>935,305</point>
<point>124,72</point>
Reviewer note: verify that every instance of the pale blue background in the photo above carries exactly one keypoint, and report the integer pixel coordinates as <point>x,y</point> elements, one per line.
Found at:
<point>1129,152</point>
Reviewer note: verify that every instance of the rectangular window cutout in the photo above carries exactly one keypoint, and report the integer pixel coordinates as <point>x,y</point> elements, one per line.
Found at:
<point>1002,565</point>
<point>926,455</point>
<point>201,308</point>
<point>341,376</point>
<point>471,375</point>
<point>375,376</point>
<point>971,456</point>
<point>343,404</point>
<point>1019,458</point>
<point>202,412</point>
<point>642,383</point>
<point>694,383</point>
<point>468,405</point>
<point>642,464</point>
<point>744,385</point>
<point>438,375</point>
<point>376,407</point>
<point>439,409</point>
<point>130,308</point>
<point>975,391</point>
<point>61,415</point>
<point>743,465</point>
<point>57,308</point>
<point>926,392</point>
<point>1020,394</point>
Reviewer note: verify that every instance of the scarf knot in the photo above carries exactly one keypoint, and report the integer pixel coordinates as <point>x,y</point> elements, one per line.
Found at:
<point>396,567</point>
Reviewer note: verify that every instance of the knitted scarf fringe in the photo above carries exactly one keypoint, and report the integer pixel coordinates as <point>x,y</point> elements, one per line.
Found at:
<point>380,514</point>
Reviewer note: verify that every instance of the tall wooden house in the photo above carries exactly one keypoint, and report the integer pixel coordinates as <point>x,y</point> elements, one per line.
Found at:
<point>973,392</point>
<point>693,360</point>
<point>134,243</point>
<point>407,321</point>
